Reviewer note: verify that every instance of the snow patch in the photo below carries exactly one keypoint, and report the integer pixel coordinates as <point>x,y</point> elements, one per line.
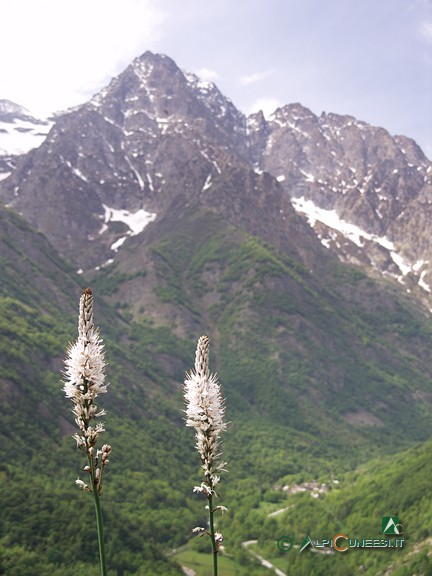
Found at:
<point>215,164</point>
<point>116,245</point>
<point>257,169</point>
<point>417,266</point>
<point>76,171</point>
<point>135,221</point>
<point>203,86</point>
<point>309,177</point>
<point>150,182</point>
<point>400,263</point>
<point>422,283</point>
<point>420,266</point>
<point>207,183</point>
<point>135,171</point>
<point>20,136</point>
<point>163,124</point>
<point>354,233</point>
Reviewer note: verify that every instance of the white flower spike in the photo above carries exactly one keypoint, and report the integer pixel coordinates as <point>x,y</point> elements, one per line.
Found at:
<point>205,410</point>
<point>84,381</point>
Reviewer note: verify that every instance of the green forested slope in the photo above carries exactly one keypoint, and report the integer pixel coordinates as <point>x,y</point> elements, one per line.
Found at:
<point>320,372</point>
<point>397,485</point>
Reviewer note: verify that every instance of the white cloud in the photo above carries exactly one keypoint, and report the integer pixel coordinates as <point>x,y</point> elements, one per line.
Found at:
<point>425,30</point>
<point>59,53</point>
<point>255,77</point>
<point>266,105</point>
<point>206,74</point>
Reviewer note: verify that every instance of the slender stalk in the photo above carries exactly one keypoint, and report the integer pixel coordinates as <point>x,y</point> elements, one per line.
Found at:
<point>212,536</point>
<point>98,512</point>
<point>100,532</point>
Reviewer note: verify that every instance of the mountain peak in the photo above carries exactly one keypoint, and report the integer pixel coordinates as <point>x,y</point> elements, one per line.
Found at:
<point>10,111</point>
<point>161,86</point>
<point>157,131</point>
<point>294,111</point>
<point>148,61</point>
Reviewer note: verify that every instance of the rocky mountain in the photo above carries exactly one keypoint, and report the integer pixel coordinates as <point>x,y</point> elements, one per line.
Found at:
<point>19,133</point>
<point>366,194</point>
<point>154,140</point>
<point>158,137</point>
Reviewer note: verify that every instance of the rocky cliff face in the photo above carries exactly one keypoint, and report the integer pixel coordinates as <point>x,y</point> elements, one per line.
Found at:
<point>366,194</point>
<point>154,136</point>
<point>157,139</point>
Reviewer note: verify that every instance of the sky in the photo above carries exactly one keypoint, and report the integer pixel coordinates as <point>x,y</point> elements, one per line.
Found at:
<point>371,59</point>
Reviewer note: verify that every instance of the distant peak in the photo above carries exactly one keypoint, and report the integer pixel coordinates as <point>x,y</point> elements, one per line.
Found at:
<point>149,57</point>
<point>295,110</point>
<point>9,107</point>
<point>256,121</point>
<point>340,118</point>
<point>257,117</point>
<point>11,112</point>
<point>145,64</point>
<point>148,61</point>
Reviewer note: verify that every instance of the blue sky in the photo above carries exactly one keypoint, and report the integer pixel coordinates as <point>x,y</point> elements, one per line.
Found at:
<point>368,58</point>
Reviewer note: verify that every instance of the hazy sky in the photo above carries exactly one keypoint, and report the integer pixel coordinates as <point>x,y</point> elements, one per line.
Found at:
<point>368,58</point>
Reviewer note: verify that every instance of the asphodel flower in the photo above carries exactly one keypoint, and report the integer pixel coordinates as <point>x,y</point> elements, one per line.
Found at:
<point>84,381</point>
<point>205,410</point>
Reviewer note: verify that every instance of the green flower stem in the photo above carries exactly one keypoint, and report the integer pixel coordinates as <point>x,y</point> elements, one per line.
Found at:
<point>98,510</point>
<point>212,536</point>
<point>100,533</point>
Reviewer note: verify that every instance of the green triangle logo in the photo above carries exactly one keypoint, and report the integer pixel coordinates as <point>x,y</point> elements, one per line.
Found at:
<point>391,525</point>
<point>306,542</point>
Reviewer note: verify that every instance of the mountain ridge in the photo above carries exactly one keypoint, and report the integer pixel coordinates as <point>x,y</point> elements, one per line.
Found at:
<point>360,189</point>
